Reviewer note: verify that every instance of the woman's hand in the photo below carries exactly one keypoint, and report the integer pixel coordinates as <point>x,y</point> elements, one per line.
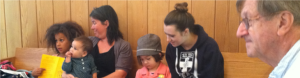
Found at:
<point>37,72</point>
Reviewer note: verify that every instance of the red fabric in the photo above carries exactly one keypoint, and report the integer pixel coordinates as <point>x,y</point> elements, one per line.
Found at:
<point>7,65</point>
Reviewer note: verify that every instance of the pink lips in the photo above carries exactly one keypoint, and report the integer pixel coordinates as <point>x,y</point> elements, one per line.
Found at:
<point>59,49</point>
<point>247,39</point>
<point>172,43</point>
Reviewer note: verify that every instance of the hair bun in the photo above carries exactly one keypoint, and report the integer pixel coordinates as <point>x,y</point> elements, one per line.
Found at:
<point>181,7</point>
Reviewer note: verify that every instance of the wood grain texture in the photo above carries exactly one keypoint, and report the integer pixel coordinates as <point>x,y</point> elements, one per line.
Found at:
<point>3,45</point>
<point>62,11</point>
<point>234,21</point>
<point>204,14</point>
<point>44,19</point>
<point>226,26</point>
<point>13,26</point>
<point>29,24</point>
<point>239,65</point>
<point>137,21</point>
<point>79,14</point>
<point>24,57</point>
<point>157,11</point>
<point>120,6</point>
<point>242,46</point>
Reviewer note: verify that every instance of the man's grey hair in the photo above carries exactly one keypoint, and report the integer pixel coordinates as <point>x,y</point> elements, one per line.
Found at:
<point>270,8</point>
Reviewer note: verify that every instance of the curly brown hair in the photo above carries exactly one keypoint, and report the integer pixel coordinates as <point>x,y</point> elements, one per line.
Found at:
<point>70,29</point>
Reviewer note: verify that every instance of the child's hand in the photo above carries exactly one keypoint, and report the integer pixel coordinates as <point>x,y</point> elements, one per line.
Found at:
<point>37,72</point>
<point>68,57</point>
<point>68,54</point>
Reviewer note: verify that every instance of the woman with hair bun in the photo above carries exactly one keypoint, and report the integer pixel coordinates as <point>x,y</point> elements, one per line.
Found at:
<point>191,53</point>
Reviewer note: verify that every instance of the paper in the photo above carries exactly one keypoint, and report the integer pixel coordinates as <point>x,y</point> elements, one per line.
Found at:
<point>52,64</point>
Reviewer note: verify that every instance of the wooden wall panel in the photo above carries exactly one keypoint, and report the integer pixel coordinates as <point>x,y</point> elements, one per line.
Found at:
<point>29,24</point>
<point>156,17</point>
<point>62,11</point>
<point>44,19</point>
<point>120,6</point>
<point>238,65</point>
<point>13,26</point>
<point>234,21</point>
<point>173,2</point>
<point>204,14</point>
<point>24,23</point>
<point>94,4</point>
<point>79,14</point>
<point>233,42</point>
<point>221,24</point>
<point>137,21</point>
<point>3,46</point>
<point>226,26</point>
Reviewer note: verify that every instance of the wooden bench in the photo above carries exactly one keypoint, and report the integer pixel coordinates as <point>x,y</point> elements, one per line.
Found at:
<point>28,58</point>
<point>237,65</point>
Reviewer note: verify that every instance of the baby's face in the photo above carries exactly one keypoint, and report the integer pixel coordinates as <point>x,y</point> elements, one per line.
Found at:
<point>77,49</point>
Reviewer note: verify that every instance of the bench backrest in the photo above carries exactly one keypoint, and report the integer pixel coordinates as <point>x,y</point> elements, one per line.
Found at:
<point>237,65</point>
<point>29,58</point>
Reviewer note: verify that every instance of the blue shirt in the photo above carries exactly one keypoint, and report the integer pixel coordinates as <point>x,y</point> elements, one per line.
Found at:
<point>81,67</point>
<point>289,65</point>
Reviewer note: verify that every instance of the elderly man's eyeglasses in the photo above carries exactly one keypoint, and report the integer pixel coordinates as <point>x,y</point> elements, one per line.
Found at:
<point>247,22</point>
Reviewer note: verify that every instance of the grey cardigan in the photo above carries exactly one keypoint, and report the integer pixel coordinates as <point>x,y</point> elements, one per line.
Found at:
<point>122,51</point>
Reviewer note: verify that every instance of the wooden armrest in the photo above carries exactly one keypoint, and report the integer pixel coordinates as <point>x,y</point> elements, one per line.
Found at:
<point>11,59</point>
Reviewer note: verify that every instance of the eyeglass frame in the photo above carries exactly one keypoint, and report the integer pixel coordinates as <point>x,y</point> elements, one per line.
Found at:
<point>246,21</point>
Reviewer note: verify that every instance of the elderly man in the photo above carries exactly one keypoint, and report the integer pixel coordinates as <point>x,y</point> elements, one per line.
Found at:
<point>271,29</point>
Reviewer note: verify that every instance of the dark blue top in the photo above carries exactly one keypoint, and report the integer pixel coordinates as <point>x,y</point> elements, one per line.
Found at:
<point>81,67</point>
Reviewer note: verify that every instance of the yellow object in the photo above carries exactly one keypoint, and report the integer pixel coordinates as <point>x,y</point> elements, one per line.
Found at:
<point>52,64</point>
<point>161,76</point>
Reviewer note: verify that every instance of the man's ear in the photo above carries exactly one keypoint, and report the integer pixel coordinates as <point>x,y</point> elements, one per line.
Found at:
<point>286,19</point>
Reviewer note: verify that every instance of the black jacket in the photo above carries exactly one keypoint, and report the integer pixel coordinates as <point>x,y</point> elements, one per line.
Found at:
<point>204,56</point>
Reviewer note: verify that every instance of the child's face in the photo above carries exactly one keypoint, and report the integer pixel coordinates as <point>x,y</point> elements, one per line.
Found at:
<point>77,49</point>
<point>62,43</point>
<point>149,62</point>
